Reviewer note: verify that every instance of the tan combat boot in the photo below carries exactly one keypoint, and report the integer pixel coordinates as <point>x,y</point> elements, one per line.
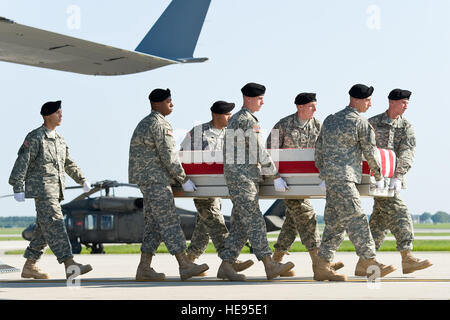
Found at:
<point>314,254</point>
<point>191,257</point>
<point>411,263</point>
<point>82,269</point>
<point>187,268</point>
<point>277,257</point>
<point>239,265</point>
<point>30,270</point>
<point>323,271</point>
<point>227,272</point>
<point>145,272</point>
<point>274,269</point>
<point>364,264</point>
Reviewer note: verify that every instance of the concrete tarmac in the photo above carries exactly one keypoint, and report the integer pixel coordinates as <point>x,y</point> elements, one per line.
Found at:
<point>113,279</point>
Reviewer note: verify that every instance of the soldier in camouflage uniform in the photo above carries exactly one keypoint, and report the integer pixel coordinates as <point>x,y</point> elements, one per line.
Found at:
<point>210,221</point>
<point>299,130</point>
<point>154,166</point>
<point>394,132</point>
<point>245,163</point>
<point>345,137</point>
<point>43,159</point>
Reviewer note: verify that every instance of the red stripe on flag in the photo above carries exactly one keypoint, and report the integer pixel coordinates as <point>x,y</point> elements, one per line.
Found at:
<point>383,161</point>
<point>366,168</point>
<point>297,167</point>
<point>284,167</point>
<point>203,168</point>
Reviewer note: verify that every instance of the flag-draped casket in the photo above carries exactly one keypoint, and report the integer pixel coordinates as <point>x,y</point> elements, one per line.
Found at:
<point>296,167</point>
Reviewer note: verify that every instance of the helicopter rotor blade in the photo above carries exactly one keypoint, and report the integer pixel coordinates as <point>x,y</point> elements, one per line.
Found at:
<point>74,187</point>
<point>87,194</point>
<point>127,185</point>
<point>7,196</point>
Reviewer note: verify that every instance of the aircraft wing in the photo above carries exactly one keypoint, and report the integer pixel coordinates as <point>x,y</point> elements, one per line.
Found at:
<point>40,48</point>
<point>172,39</point>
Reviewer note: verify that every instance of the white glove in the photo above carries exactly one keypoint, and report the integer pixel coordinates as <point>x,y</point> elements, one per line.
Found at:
<point>20,196</point>
<point>189,186</point>
<point>86,186</point>
<point>322,186</point>
<point>380,185</point>
<point>280,185</point>
<point>396,184</point>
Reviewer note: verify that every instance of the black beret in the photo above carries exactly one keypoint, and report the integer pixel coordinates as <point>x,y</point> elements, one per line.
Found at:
<point>253,89</point>
<point>399,94</point>
<point>305,97</point>
<point>159,95</point>
<point>222,107</point>
<point>360,91</point>
<point>50,107</point>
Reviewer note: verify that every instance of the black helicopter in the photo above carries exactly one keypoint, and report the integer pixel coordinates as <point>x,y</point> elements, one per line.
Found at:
<point>93,221</point>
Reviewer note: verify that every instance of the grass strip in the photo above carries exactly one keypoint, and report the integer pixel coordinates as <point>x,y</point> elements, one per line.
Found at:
<point>10,238</point>
<point>346,246</point>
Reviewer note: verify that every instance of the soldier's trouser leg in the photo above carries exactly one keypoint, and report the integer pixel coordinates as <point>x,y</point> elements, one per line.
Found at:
<point>247,222</point>
<point>209,214</point>
<point>392,214</point>
<point>378,223</point>
<point>199,238</point>
<point>161,222</point>
<point>51,230</point>
<point>343,211</point>
<point>288,231</point>
<point>305,220</point>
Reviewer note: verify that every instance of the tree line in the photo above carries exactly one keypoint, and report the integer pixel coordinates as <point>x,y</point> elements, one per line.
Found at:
<point>16,222</point>
<point>426,217</point>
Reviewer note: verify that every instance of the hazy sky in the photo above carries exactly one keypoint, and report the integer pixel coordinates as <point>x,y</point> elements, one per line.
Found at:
<point>290,46</point>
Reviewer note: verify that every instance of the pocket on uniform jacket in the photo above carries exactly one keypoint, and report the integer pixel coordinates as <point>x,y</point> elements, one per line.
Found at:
<point>50,185</point>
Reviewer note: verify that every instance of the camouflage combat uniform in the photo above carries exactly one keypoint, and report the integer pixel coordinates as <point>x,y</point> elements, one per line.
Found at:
<point>300,215</point>
<point>391,213</point>
<point>210,221</point>
<point>43,159</point>
<point>245,162</point>
<point>344,138</point>
<point>154,166</point>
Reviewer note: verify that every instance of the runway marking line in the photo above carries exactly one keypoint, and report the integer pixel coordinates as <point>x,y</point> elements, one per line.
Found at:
<point>37,281</point>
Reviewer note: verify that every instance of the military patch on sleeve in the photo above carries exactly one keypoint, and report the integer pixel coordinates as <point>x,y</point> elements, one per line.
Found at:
<point>26,144</point>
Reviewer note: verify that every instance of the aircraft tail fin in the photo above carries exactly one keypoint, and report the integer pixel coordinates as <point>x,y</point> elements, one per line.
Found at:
<point>274,216</point>
<point>175,34</point>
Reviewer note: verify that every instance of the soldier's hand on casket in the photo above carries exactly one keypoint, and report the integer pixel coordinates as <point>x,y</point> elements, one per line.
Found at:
<point>189,186</point>
<point>86,186</point>
<point>280,185</point>
<point>20,196</point>
<point>396,184</point>
<point>380,185</point>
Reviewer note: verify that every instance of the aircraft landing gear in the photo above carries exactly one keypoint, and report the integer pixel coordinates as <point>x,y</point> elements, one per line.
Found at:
<point>76,246</point>
<point>97,248</point>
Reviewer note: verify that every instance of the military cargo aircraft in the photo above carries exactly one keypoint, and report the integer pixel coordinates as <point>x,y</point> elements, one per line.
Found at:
<point>93,221</point>
<point>171,40</point>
